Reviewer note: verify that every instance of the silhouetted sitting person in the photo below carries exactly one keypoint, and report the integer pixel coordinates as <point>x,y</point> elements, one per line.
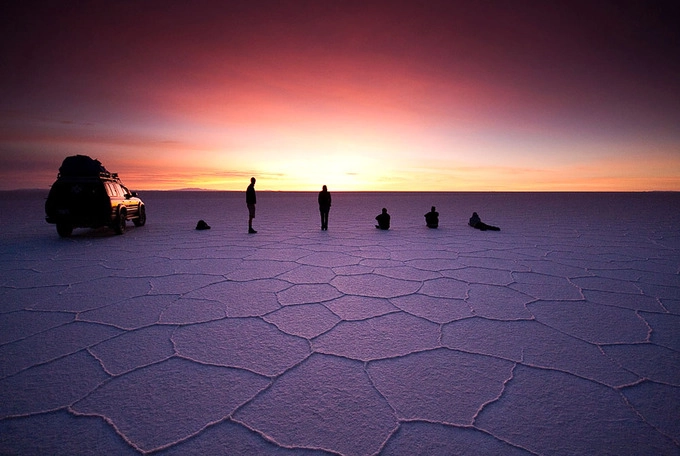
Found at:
<point>383,220</point>
<point>476,222</point>
<point>432,218</point>
<point>201,225</point>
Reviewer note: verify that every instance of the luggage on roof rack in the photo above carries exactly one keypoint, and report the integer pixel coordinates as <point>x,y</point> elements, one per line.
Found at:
<point>82,166</point>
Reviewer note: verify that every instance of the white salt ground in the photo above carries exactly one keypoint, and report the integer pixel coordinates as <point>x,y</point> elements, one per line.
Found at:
<point>559,334</point>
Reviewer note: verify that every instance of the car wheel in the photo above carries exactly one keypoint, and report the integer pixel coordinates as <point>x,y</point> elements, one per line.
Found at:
<point>141,217</point>
<point>64,229</point>
<point>119,226</point>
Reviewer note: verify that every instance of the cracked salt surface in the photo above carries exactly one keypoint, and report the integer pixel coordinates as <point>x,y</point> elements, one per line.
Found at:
<point>559,336</point>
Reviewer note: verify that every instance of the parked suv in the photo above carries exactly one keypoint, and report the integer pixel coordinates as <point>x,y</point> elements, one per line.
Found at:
<point>87,195</point>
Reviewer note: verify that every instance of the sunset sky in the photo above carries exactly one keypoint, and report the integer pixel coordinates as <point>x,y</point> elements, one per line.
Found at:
<point>359,95</point>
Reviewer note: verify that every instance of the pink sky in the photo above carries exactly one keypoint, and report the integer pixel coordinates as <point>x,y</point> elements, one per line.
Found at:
<point>358,95</point>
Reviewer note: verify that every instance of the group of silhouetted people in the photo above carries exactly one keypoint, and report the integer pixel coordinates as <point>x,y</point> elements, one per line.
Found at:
<point>432,220</point>
<point>324,200</point>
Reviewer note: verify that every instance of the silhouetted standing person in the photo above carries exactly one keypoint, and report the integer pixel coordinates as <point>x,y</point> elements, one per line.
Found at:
<point>476,222</point>
<point>432,218</point>
<point>383,220</point>
<point>251,200</point>
<point>324,207</point>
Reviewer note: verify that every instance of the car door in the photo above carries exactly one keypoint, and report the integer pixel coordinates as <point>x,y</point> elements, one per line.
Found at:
<point>131,204</point>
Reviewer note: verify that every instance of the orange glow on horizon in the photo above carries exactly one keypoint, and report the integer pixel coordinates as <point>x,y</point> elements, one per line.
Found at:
<point>340,176</point>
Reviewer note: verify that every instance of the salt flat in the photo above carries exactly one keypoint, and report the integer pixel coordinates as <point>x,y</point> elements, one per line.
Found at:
<point>560,334</point>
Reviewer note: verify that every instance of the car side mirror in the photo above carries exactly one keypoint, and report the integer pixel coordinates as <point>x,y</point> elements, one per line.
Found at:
<point>134,194</point>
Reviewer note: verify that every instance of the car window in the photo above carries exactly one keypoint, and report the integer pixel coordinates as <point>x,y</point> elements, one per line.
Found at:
<point>113,189</point>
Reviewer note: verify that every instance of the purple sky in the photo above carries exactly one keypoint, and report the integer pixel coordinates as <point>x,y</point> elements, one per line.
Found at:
<point>359,95</point>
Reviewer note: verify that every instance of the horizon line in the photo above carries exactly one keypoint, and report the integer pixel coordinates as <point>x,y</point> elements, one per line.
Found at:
<point>198,190</point>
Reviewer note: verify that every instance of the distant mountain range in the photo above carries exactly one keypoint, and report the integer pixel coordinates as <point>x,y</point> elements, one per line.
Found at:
<point>193,189</point>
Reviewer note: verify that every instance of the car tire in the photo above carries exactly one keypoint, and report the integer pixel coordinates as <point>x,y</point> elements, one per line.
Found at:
<point>119,225</point>
<point>141,216</point>
<point>64,229</point>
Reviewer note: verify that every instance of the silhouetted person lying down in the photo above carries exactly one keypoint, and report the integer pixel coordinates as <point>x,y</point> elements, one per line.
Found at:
<point>432,218</point>
<point>476,222</point>
<point>383,220</point>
